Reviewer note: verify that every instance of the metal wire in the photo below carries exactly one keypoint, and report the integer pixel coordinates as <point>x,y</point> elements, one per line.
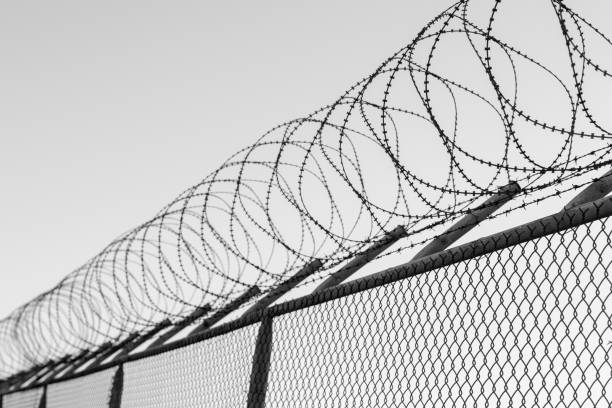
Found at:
<point>527,326</point>
<point>326,185</point>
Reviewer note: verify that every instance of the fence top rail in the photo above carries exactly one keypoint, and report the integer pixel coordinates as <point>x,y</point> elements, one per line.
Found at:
<point>548,225</point>
<point>564,220</point>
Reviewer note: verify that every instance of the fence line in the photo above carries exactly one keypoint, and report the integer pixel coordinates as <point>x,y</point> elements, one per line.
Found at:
<point>417,142</point>
<point>260,350</point>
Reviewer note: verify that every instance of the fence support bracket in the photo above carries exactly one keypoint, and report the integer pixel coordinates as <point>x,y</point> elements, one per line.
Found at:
<point>88,356</point>
<point>363,258</point>
<point>599,188</point>
<point>470,220</point>
<point>226,310</point>
<point>285,286</point>
<point>196,314</point>
<point>142,338</point>
<point>108,352</point>
<point>42,403</point>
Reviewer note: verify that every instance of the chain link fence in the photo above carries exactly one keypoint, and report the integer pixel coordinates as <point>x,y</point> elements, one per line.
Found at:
<point>520,319</point>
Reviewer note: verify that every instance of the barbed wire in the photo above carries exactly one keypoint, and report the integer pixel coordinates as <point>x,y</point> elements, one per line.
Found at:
<point>436,127</point>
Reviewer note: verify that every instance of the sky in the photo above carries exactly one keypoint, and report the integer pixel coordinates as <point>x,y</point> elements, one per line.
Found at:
<point>110,109</point>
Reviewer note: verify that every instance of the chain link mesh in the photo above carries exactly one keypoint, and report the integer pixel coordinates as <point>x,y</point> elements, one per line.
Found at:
<point>23,399</point>
<point>92,391</point>
<point>211,373</point>
<point>527,326</point>
<point>421,141</point>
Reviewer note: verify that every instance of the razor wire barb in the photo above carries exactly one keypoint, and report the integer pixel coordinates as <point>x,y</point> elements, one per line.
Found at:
<point>326,185</point>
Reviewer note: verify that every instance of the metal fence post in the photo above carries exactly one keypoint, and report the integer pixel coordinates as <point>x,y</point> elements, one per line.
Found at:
<point>116,389</point>
<point>261,364</point>
<point>43,398</point>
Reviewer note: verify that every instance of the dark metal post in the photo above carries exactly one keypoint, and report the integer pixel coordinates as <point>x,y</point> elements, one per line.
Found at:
<point>226,310</point>
<point>116,389</point>
<point>261,364</point>
<point>363,258</point>
<point>285,287</point>
<point>34,374</point>
<point>470,220</point>
<point>4,386</point>
<point>599,188</point>
<point>197,313</point>
<point>43,398</point>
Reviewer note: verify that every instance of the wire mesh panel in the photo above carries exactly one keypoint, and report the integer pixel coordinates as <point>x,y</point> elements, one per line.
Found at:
<point>24,399</point>
<point>212,373</point>
<point>528,326</point>
<point>91,391</point>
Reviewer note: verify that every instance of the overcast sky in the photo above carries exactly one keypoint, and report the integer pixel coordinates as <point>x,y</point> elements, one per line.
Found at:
<point>108,109</point>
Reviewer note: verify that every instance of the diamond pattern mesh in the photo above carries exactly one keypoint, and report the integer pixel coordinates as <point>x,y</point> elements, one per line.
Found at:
<point>211,373</point>
<point>528,326</point>
<point>91,391</point>
<point>24,399</point>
